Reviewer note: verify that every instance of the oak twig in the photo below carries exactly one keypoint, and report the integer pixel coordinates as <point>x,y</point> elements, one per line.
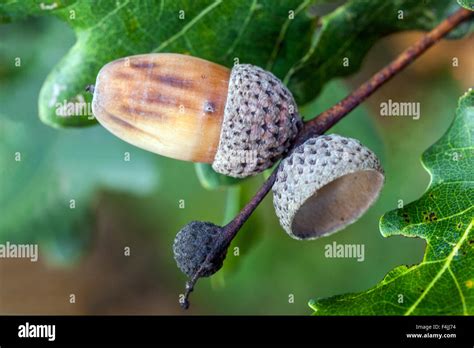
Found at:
<point>334,114</point>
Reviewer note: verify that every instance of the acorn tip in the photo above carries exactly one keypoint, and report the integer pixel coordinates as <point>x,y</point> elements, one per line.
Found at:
<point>90,89</point>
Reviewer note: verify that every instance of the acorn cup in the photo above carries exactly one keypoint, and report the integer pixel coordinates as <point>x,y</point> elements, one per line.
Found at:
<point>326,183</point>
<point>241,120</point>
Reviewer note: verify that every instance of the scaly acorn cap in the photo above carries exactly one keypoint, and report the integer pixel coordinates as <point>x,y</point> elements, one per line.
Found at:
<point>260,122</point>
<point>240,120</point>
<point>326,183</point>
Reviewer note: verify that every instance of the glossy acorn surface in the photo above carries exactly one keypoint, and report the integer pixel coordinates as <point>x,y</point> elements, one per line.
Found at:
<point>166,103</point>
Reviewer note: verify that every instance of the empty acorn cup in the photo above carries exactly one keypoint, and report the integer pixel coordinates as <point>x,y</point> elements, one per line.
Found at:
<point>327,183</point>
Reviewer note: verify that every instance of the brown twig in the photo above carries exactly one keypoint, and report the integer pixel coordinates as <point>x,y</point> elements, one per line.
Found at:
<point>331,116</point>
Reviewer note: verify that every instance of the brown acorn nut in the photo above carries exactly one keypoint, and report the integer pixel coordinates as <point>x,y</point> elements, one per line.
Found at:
<point>327,183</point>
<point>241,120</point>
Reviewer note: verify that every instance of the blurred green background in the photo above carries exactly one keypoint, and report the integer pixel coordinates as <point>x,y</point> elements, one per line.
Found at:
<point>136,203</point>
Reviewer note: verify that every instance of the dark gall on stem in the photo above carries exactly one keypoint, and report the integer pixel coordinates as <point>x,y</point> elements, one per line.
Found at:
<point>199,250</point>
<point>193,243</point>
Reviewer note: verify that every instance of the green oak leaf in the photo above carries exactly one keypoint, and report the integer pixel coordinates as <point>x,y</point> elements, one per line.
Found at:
<point>344,36</point>
<point>469,4</point>
<point>298,40</point>
<point>212,180</point>
<point>443,283</point>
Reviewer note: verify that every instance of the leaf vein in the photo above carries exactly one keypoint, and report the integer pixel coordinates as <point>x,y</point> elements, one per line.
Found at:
<point>188,26</point>
<point>447,262</point>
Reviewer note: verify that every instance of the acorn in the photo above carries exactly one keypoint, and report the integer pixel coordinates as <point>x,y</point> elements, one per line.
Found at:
<point>326,183</point>
<point>241,120</point>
